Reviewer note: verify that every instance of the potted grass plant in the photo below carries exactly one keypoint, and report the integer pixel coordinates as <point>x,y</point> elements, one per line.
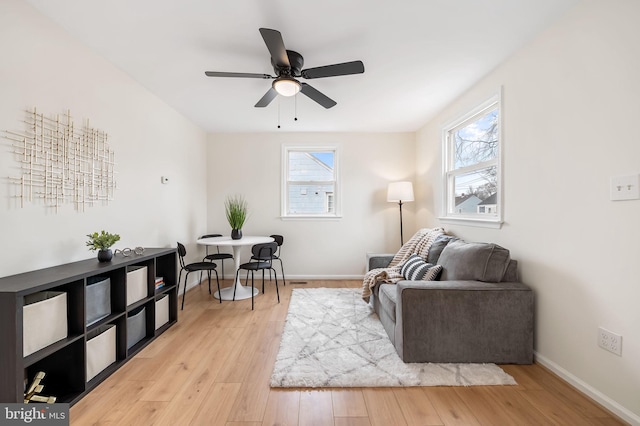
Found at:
<point>236,210</point>
<point>102,242</point>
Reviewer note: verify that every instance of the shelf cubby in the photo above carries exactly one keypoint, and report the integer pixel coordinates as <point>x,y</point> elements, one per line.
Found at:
<point>62,377</point>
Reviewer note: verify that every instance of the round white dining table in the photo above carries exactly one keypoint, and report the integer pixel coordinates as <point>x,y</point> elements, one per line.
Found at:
<point>241,292</point>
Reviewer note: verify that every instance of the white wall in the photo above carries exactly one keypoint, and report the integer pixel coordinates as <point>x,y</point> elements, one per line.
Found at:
<point>42,66</point>
<point>250,165</point>
<point>571,104</point>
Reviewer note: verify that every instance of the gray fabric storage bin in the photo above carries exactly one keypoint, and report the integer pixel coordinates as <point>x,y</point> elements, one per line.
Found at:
<point>98,299</point>
<point>136,327</point>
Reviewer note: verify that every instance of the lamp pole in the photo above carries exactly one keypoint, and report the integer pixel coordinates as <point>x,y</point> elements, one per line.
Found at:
<point>401,236</point>
<point>397,192</point>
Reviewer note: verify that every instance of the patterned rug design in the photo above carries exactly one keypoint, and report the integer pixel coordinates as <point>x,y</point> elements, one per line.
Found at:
<point>332,338</point>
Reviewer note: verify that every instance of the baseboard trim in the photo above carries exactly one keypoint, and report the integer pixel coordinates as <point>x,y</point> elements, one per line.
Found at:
<point>308,277</point>
<point>194,281</point>
<point>589,390</point>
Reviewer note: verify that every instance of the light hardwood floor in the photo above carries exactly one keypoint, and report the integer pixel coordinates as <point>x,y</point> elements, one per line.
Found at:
<point>213,368</point>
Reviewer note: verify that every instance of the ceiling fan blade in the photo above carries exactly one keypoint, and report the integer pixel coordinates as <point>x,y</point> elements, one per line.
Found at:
<point>267,98</point>
<point>273,40</point>
<point>236,74</point>
<point>317,96</point>
<point>346,68</point>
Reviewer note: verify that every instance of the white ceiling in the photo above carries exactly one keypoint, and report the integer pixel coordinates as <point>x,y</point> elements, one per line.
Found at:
<point>418,54</point>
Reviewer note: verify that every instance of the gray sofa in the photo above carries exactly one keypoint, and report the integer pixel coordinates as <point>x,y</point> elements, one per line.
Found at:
<point>477,312</point>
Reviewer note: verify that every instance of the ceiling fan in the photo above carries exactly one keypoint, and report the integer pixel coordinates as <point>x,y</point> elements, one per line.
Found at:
<point>287,66</point>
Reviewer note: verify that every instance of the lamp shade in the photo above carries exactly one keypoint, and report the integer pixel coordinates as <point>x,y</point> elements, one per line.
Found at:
<point>400,191</point>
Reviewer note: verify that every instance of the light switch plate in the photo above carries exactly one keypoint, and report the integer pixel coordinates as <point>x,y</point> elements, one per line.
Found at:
<point>625,187</point>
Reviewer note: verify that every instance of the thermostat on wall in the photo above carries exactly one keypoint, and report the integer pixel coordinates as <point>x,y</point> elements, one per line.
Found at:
<point>164,179</point>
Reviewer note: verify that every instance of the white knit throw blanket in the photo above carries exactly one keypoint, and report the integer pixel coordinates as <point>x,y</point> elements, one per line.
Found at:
<point>418,244</point>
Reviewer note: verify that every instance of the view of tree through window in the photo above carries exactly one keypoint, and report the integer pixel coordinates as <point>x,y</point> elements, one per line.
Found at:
<point>471,164</point>
<point>310,182</point>
<point>476,143</point>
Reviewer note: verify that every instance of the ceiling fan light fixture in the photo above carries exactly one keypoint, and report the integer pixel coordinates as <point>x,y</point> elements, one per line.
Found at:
<point>286,86</point>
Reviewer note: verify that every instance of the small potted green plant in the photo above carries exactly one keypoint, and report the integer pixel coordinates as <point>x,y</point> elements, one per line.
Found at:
<point>102,242</point>
<point>236,210</point>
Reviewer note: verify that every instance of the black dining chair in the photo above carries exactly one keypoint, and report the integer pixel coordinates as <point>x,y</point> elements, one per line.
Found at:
<point>261,260</point>
<point>279,239</point>
<point>215,256</point>
<point>194,267</point>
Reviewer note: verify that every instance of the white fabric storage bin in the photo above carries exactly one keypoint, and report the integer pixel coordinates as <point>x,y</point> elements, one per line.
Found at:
<point>44,320</point>
<point>136,327</point>
<point>162,311</point>
<point>101,349</point>
<point>136,284</point>
<point>98,299</point>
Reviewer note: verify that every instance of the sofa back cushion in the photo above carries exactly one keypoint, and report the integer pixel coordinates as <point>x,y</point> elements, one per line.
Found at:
<point>511,274</point>
<point>462,260</point>
<point>438,245</point>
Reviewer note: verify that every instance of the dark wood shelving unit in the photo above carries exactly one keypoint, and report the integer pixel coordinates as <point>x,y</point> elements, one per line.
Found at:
<point>65,361</point>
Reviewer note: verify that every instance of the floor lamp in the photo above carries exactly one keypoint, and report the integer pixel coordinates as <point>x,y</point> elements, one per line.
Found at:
<point>399,192</point>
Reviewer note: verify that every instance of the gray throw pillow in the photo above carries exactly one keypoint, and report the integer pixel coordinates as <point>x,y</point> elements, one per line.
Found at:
<point>438,245</point>
<point>461,260</point>
<point>416,269</point>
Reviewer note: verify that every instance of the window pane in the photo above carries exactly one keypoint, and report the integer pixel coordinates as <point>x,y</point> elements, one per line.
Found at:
<point>311,199</point>
<point>475,192</point>
<point>310,182</point>
<point>311,166</point>
<point>477,141</point>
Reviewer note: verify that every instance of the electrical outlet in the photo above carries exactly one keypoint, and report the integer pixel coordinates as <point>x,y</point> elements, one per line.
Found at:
<point>625,187</point>
<point>610,341</point>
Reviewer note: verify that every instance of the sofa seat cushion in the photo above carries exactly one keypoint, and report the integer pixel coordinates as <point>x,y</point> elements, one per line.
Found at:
<point>388,294</point>
<point>462,260</point>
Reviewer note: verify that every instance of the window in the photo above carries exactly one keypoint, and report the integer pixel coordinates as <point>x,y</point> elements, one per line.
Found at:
<point>471,165</point>
<point>310,182</point>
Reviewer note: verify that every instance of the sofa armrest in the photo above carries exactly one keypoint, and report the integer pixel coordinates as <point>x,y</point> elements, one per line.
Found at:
<point>375,261</point>
<point>464,321</point>
<point>461,285</point>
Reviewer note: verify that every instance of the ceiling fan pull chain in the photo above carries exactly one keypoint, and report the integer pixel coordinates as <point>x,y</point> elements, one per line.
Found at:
<point>278,112</point>
<point>295,107</point>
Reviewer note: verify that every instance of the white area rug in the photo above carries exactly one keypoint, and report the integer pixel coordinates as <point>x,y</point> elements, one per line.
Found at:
<point>332,338</point>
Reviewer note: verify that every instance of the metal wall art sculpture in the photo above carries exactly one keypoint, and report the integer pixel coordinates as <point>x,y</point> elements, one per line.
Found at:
<point>61,163</point>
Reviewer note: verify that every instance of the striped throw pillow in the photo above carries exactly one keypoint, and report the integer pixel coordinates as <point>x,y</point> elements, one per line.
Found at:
<point>416,269</point>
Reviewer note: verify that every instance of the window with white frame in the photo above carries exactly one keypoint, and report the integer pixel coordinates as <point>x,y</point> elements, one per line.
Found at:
<point>310,182</point>
<point>471,166</point>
